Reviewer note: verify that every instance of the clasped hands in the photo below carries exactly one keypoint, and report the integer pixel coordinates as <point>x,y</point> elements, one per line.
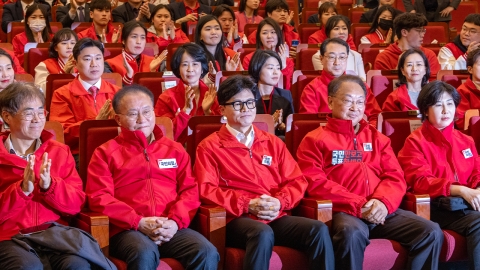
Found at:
<point>265,207</point>
<point>374,211</point>
<point>158,229</point>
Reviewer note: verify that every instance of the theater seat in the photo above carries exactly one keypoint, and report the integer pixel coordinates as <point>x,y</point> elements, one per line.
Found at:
<point>301,78</point>
<point>305,30</point>
<point>358,30</point>
<point>282,258</point>
<point>474,130</point>
<point>382,83</point>
<point>453,77</point>
<point>397,126</point>
<point>454,247</point>
<point>304,56</point>
<point>297,127</point>
<point>154,81</point>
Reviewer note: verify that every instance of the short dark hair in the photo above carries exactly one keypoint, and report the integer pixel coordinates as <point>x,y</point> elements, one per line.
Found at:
<point>258,60</point>
<point>195,51</point>
<point>323,47</point>
<point>223,8</point>
<point>159,7</point>
<point>378,14</point>
<point>277,29</point>
<point>16,94</point>
<point>234,85</point>
<point>333,21</point>
<point>336,83</point>
<point>324,8</point>
<point>473,18</point>
<point>432,92</point>
<point>63,34</point>
<point>243,5</point>
<point>408,21</point>
<point>129,27</point>
<point>85,43</point>
<point>219,53</point>
<point>46,31</point>
<point>131,89</point>
<point>273,5</point>
<point>100,5</point>
<point>401,62</point>
<point>472,57</point>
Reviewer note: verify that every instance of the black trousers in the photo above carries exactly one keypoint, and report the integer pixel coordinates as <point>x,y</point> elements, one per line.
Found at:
<point>258,239</point>
<point>422,238</point>
<point>465,223</point>
<point>13,256</point>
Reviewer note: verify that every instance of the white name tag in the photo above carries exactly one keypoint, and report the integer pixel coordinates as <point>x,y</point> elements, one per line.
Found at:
<point>168,163</point>
<point>267,160</point>
<point>467,153</point>
<point>367,147</point>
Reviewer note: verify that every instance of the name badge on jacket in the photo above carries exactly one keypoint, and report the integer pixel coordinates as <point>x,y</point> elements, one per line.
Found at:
<point>267,160</point>
<point>467,153</point>
<point>346,156</point>
<point>169,163</point>
<point>367,147</point>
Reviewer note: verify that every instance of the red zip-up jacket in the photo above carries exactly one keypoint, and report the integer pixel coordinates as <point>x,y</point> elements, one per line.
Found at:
<point>288,35</point>
<point>470,100</point>
<point>287,71</point>
<point>398,101</point>
<point>64,197</point>
<point>127,182</point>
<point>369,169</point>
<point>117,66</point>
<point>320,36</point>
<point>314,98</point>
<point>230,174</point>
<point>180,37</point>
<point>433,160</point>
<point>90,33</point>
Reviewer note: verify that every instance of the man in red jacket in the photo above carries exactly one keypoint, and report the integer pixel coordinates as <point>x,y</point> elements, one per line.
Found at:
<point>410,30</point>
<point>314,99</point>
<point>353,164</point>
<point>143,182</point>
<point>102,28</point>
<point>252,175</point>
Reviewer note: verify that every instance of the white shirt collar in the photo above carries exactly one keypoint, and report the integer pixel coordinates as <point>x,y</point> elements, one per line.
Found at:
<point>87,86</point>
<point>25,5</point>
<point>9,146</point>
<point>246,140</point>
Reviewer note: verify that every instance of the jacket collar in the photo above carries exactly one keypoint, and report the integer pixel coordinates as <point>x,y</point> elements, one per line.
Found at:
<point>77,89</point>
<point>227,139</point>
<point>344,126</point>
<point>439,135</point>
<point>11,159</point>
<point>138,138</point>
<point>326,77</point>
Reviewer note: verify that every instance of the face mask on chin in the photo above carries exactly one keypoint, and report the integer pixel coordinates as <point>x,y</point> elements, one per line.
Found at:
<point>37,25</point>
<point>385,24</point>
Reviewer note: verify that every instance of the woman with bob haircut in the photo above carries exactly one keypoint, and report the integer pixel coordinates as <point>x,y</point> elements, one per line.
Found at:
<point>413,73</point>
<point>265,69</point>
<point>469,89</point>
<point>162,30</point>
<point>191,97</point>
<point>443,163</point>
<point>382,27</point>
<point>247,13</point>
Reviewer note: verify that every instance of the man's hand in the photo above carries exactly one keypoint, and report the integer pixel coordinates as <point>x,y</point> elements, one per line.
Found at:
<point>73,6</point>
<point>446,11</point>
<point>45,179</point>
<point>265,207</point>
<point>472,196</point>
<point>148,224</point>
<point>166,229</point>
<point>190,17</point>
<point>144,11</point>
<point>376,212</point>
<point>28,183</point>
<point>105,112</point>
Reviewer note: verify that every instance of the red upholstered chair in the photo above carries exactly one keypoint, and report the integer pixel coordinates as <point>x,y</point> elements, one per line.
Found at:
<point>382,83</point>
<point>33,57</point>
<point>305,30</point>
<point>304,56</point>
<point>301,78</point>
<point>436,31</point>
<point>307,12</point>
<point>458,15</point>
<point>398,126</point>
<point>468,115</point>
<point>154,81</point>
<point>310,4</point>
<point>354,14</point>
<point>358,30</point>
<point>474,130</point>
<point>249,28</point>
<point>24,78</point>
<point>56,129</point>
<point>370,51</point>
<point>297,127</point>
<point>80,26</point>
<point>246,50</point>
<point>6,46</point>
<point>453,77</point>
<point>171,48</point>
<point>112,49</point>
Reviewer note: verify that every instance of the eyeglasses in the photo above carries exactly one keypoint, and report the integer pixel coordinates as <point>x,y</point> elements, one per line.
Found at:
<point>28,115</point>
<point>349,103</point>
<point>332,58</point>
<point>420,30</point>
<point>133,115</point>
<point>471,31</point>
<point>238,105</point>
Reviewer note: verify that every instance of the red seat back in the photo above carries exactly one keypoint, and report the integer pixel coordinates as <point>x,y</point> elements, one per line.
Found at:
<point>307,12</point>
<point>304,57</point>
<point>398,126</point>
<point>55,81</point>
<point>246,50</point>
<point>474,129</point>
<point>171,48</point>
<point>302,82</point>
<point>305,30</point>
<point>463,9</point>
<point>34,56</point>
<point>112,51</point>
<point>310,4</point>
<point>297,127</point>
<point>453,77</point>
<point>249,28</point>
<point>153,81</point>
<point>382,83</point>
<point>369,53</point>
<point>358,30</point>
<point>436,31</point>
<point>354,14</point>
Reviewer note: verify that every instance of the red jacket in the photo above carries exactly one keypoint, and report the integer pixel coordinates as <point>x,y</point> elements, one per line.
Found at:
<point>288,35</point>
<point>90,33</point>
<point>17,67</point>
<point>388,59</point>
<point>399,100</point>
<point>314,98</point>
<point>320,36</point>
<point>230,174</point>
<point>72,104</point>
<point>180,37</point>
<point>456,51</point>
<point>433,160</point>
<point>116,63</point>
<point>350,183</point>
<point>375,37</point>
<point>470,100</point>
<point>126,181</point>
<point>53,66</point>
<point>64,197</point>
<point>287,72</point>
<point>171,102</point>
<point>18,43</point>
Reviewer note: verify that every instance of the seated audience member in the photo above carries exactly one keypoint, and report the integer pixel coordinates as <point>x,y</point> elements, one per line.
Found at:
<point>75,11</point>
<point>188,12</point>
<point>101,29</point>
<point>37,30</point>
<point>369,16</point>
<point>382,27</point>
<point>153,223</point>
<point>409,29</point>
<point>87,97</point>
<point>314,99</point>
<point>162,30</point>
<point>191,96</point>
<point>270,37</point>
<point>413,74</point>
<point>252,175</point>
<point>132,60</point>
<point>434,11</point>
<point>217,2</point>
<point>326,11</point>
<point>265,69</point>
<point>61,57</point>
<point>39,182</point>
<point>315,18</point>
<point>17,67</point>
<point>338,159</point>
<point>229,25</point>
<point>338,26</point>
<point>469,90</point>
<point>15,12</point>
<point>7,71</point>
<point>137,10</point>
<point>454,54</point>
<point>247,13</point>
<point>443,163</point>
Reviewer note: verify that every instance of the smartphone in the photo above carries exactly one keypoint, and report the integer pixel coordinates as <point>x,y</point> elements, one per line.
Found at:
<point>295,43</point>
<point>36,229</point>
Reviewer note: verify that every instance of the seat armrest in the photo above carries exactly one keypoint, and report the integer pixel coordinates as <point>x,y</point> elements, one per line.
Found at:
<point>419,204</point>
<point>94,223</point>
<point>315,209</point>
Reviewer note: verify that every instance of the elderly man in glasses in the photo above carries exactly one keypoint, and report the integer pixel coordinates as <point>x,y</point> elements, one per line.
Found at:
<point>143,182</point>
<point>252,175</point>
<point>351,163</point>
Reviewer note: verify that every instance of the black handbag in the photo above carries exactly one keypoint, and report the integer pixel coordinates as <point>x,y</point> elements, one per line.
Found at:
<point>451,203</point>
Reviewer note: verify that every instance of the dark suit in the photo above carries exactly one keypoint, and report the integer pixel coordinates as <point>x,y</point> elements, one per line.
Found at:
<point>368,16</point>
<point>432,16</point>
<point>216,2</point>
<point>64,17</point>
<point>124,13</point>
<point>180,12</point>
<point>14,13</point>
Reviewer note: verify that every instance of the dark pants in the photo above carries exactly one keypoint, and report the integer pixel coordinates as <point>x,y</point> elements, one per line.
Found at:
<point>465,223</point>
<point>188,247</point>
<point>422,238</point>
<point>258,239</point>
<point>13,256</point>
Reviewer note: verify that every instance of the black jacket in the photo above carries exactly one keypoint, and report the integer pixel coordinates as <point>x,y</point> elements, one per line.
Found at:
<point>216,2</point>
<point>179,12</point>
<point>442,4</point>
<point>368,16</point>
<point>124,13</point>
<point>63,16</point>
<point>281,99</point>
<point>14,13</point>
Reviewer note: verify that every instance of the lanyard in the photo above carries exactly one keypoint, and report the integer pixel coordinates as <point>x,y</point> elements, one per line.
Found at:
<point>269,106</point>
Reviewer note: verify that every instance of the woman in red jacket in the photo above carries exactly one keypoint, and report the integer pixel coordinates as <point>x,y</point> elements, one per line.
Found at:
<point>469,89</point>
<point>162,29</point>
<point>132,60</point>
<point>382,27</point>
<point>7,71</point>
<point>61,57</point>
<point>413,74</point>
<point>441,161</point>
<point>229,25</point>
<point>37,30</point>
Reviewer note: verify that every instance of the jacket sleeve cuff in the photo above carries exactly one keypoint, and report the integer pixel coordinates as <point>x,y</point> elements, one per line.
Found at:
<point>22,194</point>
<point>50,190</point>
<point>283,202</point>
<point>180,225</point>
<point>244,203</point>
<point>136,222</point>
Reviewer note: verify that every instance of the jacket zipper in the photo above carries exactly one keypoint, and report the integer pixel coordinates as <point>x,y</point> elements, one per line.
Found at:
<point>150,185</point>
<point>364,169</point>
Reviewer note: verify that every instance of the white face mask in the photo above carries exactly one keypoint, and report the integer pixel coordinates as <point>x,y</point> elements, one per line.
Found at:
<point>37,25</point>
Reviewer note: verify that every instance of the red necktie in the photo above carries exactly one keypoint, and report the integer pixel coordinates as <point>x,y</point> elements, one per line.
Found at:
<point>94,91</point>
